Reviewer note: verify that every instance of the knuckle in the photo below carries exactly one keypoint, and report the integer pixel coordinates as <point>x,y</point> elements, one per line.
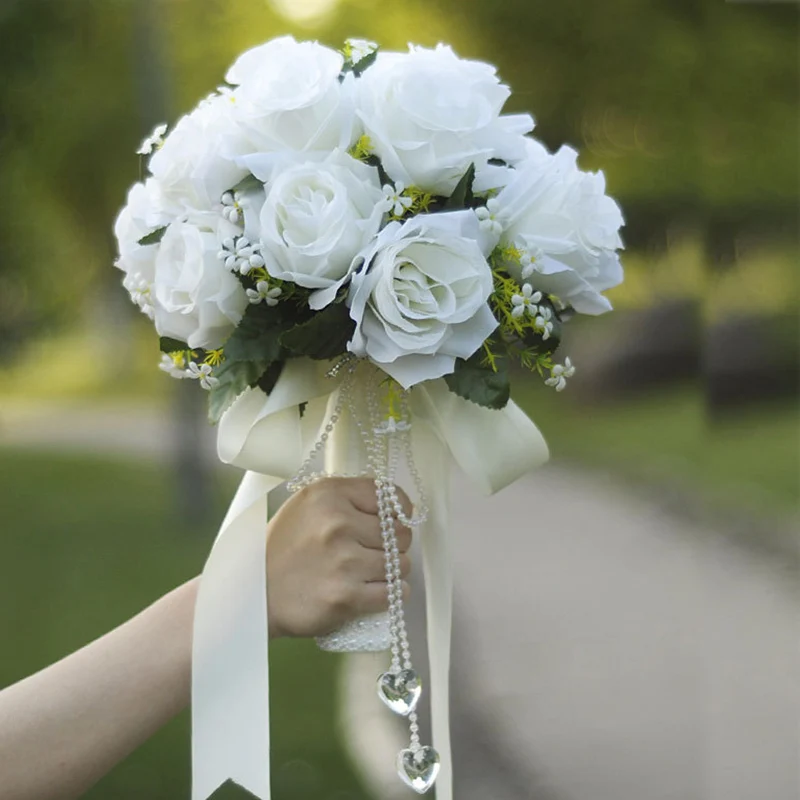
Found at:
<point>346,561</point>
<point>336,527</point>
<point>340,597</point>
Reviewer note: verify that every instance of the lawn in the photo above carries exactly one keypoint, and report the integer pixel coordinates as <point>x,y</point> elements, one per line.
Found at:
<point>86,544</point>
<point>749,459</point>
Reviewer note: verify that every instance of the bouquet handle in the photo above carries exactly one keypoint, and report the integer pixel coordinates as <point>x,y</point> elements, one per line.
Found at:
<point>345,454</point>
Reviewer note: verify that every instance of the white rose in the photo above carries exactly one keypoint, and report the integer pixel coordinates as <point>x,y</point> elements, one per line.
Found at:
<point>430,114</point>
<point>420,301</point>
<point>563,217</point>
<point>318,214</point>
<point>289,97</point>
<point>196,299</point>
<point>142,214</point>
<point>196,163</point>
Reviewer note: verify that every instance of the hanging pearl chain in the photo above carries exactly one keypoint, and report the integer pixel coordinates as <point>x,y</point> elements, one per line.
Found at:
<point>385,440</point>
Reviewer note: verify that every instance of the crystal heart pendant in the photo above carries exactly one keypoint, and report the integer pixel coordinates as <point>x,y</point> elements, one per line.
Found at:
<point>400,690</point>
<point>418,769</point>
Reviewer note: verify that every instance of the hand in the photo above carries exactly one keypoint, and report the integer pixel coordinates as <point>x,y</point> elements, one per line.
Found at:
<point>325,561</point>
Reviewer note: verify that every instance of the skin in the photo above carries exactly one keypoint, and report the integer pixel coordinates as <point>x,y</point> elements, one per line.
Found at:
<point>65,727</point>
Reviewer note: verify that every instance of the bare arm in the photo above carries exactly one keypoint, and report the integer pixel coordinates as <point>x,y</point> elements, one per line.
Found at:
<point>65,727</point>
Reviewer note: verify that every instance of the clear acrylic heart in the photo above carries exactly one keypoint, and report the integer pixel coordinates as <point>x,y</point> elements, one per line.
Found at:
<point>400,691</point>
<point>418,770</point>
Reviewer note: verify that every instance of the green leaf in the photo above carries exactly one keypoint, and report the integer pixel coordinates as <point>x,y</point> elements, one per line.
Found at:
<point>234,377</point>
<point>246,184</point>
<point>270,376</point>
<point>257,336</point>
<point>154,237</point>
<point>383,175</point>
<point>167,345</point>
<point>462,195</point>
<point>324,336</point>
<point>360,66</point>
<point>481,384</point>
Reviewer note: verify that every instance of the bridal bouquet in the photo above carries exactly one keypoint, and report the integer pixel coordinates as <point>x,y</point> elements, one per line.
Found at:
<point>375,214</point>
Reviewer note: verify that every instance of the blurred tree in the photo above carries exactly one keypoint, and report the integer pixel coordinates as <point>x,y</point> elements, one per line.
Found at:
<point>689,106</point>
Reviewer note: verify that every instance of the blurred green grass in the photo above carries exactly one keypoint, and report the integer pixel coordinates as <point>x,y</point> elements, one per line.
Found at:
<point>749,460</point>
<point>88,543</point>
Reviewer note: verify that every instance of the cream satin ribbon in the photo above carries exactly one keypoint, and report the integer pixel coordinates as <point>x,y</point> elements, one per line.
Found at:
<point>266,436</point>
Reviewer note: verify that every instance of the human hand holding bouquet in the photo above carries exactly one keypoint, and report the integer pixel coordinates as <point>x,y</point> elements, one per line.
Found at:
<point>350,251</point>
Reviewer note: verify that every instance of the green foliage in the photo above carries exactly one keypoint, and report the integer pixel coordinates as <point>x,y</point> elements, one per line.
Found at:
<point>481,383</point>
<point>247,184</point>
<point>154,237</point>
<point>462,196</point>
<point>358,67</point>
<point>257,336</point>
<point>234,377</point>
<point>167,345</point>
<point>324,336</point>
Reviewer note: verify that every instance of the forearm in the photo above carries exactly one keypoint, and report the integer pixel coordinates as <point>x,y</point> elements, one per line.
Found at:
<point>65,727</point>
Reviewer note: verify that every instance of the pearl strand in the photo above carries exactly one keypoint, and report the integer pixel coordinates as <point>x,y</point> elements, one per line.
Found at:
<point>386,440</point>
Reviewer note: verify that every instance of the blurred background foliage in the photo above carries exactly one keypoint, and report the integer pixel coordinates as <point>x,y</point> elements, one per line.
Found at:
<point>688,106</point>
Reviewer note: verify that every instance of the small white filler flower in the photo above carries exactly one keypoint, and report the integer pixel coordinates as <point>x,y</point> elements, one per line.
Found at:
<point>358,49</point>
<point>172,367</point>
<point>391,426</point>
<point>202,372</point>
<point>487,217</point>
<point>231,207</point>
<point>240,255</point>
<point>263,293</point>
<point>530,261</point>
<point>153,141</point>
<point>393,199</point>
<point>526,302</point>
<point>543,322</point>
<point>559,374</point>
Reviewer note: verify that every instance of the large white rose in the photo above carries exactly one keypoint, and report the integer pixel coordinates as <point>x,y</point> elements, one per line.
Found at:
<point>564,218</point>
<point>196,164</point>
<point>319,213</point>
<point>196,299</point>
<point>420,301</point>
<point>429,114</point>
<point>289,97</point>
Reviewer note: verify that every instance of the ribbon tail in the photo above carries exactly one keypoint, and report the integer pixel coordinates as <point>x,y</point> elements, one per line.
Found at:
<point>230,652</point>
<point>434,465</point>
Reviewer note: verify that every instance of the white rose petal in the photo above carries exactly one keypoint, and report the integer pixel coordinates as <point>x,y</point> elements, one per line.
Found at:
<point>196,164</point>
<point>429,115</point>
<point>420,301</point>
<point>142,215</point>
<point>564,216</point>
<point>289,97</point>
<point>318,214</point>
<point>197,300</point>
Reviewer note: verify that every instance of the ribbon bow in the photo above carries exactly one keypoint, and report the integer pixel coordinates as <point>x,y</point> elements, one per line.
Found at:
<point>267,436</point>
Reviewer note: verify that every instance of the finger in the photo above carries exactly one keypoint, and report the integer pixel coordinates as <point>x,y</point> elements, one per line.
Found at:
<point>360,492</point>
<point>367,530</point>
<point>373,597</point>
<point>374,567</point>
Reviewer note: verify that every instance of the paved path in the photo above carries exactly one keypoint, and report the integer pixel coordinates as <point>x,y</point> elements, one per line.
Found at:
<point>604,648</point>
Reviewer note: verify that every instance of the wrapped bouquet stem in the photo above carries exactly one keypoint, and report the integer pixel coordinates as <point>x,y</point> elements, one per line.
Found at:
<point>351,252</point>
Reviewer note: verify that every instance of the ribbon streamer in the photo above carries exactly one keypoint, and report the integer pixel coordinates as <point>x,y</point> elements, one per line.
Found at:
<point>266,436</point>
